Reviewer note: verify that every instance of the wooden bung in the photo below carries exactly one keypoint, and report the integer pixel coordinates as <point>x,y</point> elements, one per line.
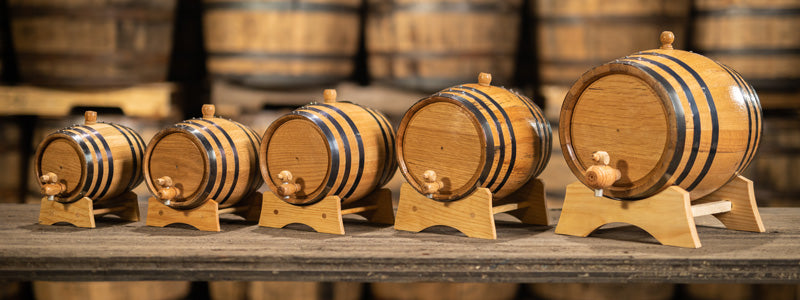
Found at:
<point>470,136</point>
<point>200,159</point>
<point>79,43</point>
<point>326,149</point>
<point>664,117</point>
<point>281,44</point>
<point>95,160</point>
<point>427,45</point>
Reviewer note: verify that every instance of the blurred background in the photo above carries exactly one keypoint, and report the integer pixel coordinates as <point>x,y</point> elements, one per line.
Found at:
<point>149,63</point>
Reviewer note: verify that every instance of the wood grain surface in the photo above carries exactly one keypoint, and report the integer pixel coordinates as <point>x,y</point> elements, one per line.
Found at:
<point>371,252</point>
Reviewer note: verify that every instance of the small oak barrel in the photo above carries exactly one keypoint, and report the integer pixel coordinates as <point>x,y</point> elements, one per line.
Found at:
<point>326,149</point>
<point>665,117</point>
<point>758,38</point>
<point>425,45</point>
<point>574,35</point>
<point>95,160</point>
<point>281,43</point>
<point>199,159</point>
<point>87,43</point>
<point>470,136</point>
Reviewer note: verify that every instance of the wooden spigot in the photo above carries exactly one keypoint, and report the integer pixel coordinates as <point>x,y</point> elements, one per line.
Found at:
<point>600,175</point>
<point>90,117</point>
<point>484,79</point>
<point>208,111</point>
<point>168,190</point>
<point>667,37</point>
<point>329,96</point>
<point>431,185</point>
<point>50,185</point>
<point>288,187</point>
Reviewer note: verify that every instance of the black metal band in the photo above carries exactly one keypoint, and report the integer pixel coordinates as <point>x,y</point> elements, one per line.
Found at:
<point>86,135</point>
<point>212,159</point>
<point>543,132</point>
<point>359,144</point>
<point>87,156</point>
<point>136,169</point>
<point>387,162</point>
<point>333,145</point>
<point>348,155</point>
<point>235,157</point>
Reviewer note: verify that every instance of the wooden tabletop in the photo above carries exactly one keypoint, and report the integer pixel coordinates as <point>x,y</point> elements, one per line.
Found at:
<point>522,253</point>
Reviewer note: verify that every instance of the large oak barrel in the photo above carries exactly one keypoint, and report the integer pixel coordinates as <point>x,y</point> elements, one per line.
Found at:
<point>327,149</point>
<point>758,38</point>
<point>199,159</point>
<point>470,136</point>
<point>89,43</point>
<point>665,117</point>
<point>95,160</point>
<point>426,45</point>
<point>443,291</point>
<point>281,43</point>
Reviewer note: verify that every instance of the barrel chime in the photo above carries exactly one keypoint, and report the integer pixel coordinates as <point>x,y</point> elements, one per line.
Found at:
<point>469,152</point>
<point>201,168</point>
<point>325,160</point>
<point>89,170</point>
<point>653,133</point>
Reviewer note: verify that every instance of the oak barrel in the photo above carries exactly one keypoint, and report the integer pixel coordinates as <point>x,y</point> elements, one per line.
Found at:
<point>281,43</point>
<point>758,38</point>
<point>665,117</point>
<point>575,35</point>
<point>111,290</point>
<point>425,45</point>
<point>95,160</point>
<point>199,159</point>
<point>473,135</point>
<point>284,290</point>
<point>602,291</point>
<point>86,43</point>
<point>330,148</point>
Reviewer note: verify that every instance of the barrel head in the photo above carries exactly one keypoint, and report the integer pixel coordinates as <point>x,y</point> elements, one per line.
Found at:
<point>178,155</point>
<point>445,138</point>
<point>298,146</point>
<point>64,158</point>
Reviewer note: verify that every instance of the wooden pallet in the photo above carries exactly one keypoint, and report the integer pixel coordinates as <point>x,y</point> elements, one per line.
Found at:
<point>233,100</point>
<point>147,100</point>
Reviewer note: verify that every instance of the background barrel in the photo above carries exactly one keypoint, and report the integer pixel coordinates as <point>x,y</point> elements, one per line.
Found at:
<point>573,36</point>
<point>443,291</point>
<point>281,43</point>
<point>473,135</point>
<point>153,290</point>
<point>426,45</point>
<point>95,160</point>
<point>208,158</point>
<point>331,148</point>
<point>665,117</point>
<point>284,290</point>
<point>759,39</point>
<point>86,43</point>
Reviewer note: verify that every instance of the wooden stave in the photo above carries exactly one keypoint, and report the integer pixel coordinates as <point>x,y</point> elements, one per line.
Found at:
<point>206,138</point>
<point>769,64</point>
<point>372,125</point>
<point>385,60</point>
<point>541,138</point>
<point>283,68</point>
<point>122,66</point>
<point>725,111</point>
<point>106,138</point>
<point>555,69</point>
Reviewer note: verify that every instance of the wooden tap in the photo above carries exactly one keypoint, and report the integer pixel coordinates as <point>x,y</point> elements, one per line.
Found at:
<point>288,187</point>
<point>601,175</point>
<point>431,185</point>
<point>50,185</point>
<point>667,37</point>
<point>168,191</point>
<point>329,96</point>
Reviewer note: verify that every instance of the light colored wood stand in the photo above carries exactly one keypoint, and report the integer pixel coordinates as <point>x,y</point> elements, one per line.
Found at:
<point>326,215</point>
<point>668,216</point>
<point>204,217</point>
<point>82,213</point>
<point>473,215</point>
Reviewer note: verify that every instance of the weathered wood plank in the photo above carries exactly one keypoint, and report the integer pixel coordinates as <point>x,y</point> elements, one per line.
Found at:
<point>372,252</point>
